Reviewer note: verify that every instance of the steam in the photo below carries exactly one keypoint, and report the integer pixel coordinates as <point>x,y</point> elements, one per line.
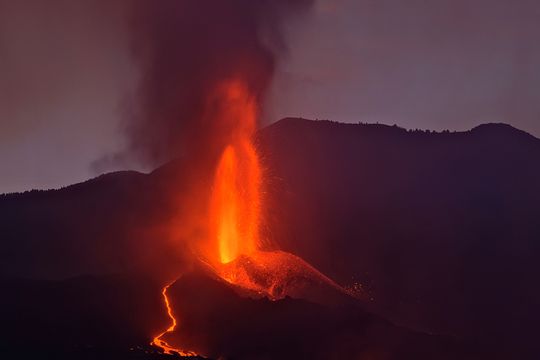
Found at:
<point>185,49</point>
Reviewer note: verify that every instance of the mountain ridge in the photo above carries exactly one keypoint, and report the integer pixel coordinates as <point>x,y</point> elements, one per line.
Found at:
<point>441,228</point>
<point>486,128</point>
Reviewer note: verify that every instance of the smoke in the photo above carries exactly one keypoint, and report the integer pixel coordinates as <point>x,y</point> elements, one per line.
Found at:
<point>185,49</point>
<point>80,68</point>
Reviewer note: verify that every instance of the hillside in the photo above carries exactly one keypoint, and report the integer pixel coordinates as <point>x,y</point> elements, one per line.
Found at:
<point>441,227</point>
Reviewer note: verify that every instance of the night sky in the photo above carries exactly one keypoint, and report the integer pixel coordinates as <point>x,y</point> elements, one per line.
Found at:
<point>67,75</point>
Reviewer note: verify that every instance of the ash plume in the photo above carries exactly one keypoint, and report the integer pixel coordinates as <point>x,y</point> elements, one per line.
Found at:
<point>186,48</point>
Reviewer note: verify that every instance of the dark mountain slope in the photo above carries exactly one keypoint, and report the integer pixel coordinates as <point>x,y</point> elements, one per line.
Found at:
<point>115,223</point>
<point>443,226</point>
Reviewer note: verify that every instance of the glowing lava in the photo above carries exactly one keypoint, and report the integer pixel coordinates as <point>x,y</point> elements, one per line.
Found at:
<point>235,203</point>
<point>158,341</point>
<point>236,192</point>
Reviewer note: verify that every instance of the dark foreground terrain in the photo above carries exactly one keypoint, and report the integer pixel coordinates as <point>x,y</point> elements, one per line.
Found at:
<point>441,230</point>
<point>113,318</point>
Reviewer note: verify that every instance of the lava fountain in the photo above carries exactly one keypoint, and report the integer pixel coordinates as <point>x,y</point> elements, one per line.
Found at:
<point>235,203</point>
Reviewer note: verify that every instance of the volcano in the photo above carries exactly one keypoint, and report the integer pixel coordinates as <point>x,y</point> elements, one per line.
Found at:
<point>426,283</point>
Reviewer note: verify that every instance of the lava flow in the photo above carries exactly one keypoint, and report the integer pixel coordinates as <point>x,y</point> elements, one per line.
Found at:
<point>158,341</point>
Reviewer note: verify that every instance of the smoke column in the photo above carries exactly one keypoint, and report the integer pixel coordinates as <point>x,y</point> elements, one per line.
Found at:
<point>206,66</point>
<point>185,48</point>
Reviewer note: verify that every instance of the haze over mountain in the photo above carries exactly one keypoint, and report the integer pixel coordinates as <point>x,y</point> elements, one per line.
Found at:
<point>439,228</point>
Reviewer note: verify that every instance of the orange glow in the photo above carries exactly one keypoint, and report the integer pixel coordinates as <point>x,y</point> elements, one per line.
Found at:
<point>235,213</point>
<point>236,192</point>
<point>158,341</point>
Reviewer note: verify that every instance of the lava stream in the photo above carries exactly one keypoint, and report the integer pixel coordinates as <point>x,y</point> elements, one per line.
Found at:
<point>158,341</point>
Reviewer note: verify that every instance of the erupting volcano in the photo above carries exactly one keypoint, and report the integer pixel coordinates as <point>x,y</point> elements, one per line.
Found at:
<point>234,251</point>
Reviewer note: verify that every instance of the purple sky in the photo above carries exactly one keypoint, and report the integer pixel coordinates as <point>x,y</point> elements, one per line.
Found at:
<point>66,74</point>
